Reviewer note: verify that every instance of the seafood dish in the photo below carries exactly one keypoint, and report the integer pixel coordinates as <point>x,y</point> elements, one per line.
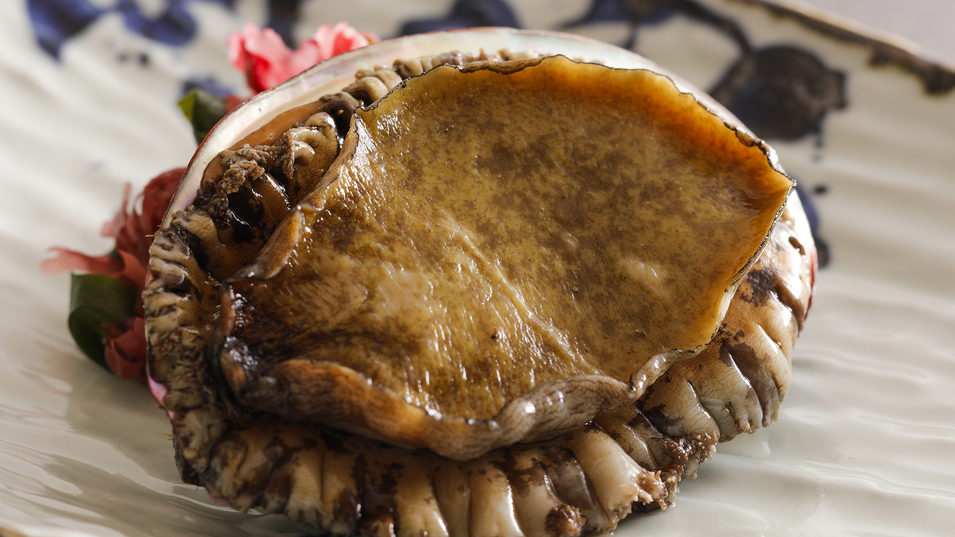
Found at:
<point>483,282</point>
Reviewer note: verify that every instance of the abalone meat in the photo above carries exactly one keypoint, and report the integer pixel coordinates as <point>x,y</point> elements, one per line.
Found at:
<point>470,293</point>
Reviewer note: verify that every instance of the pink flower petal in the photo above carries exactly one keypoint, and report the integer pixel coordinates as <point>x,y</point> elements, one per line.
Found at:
<point>267,62</point>
<point>159,394</point>
<point>126,353</point>
<point>135,230</point>
<point>132,231</point>
<point>72,260</point>
<point>133,272</point>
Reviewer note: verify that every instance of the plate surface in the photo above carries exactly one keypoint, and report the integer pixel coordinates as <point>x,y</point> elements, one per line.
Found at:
<point>864,441</point>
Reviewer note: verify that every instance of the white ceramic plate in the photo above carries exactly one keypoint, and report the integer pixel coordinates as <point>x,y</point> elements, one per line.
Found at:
<point>864,443</point>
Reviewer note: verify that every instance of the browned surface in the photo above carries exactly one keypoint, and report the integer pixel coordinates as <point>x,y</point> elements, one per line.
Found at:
<point>491,233</point>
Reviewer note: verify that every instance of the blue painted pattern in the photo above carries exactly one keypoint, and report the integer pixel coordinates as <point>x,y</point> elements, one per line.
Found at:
<point>55,22</point>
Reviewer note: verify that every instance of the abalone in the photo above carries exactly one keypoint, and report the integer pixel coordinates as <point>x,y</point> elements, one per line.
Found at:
<point>472,293</point>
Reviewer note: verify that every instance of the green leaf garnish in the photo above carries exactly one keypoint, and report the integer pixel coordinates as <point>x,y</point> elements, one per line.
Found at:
<point>203,110</point>
<point>96,300</point>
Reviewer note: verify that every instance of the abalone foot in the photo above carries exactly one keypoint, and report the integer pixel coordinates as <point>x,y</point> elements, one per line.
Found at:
<point>580,484</point>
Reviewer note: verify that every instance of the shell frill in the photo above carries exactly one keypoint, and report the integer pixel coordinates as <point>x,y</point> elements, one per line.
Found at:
<point>572,480</point>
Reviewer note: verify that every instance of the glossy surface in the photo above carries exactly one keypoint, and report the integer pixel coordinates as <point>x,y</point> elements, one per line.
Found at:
<point>407,259</point>
<point>864,440</point>
<point>339,71</point>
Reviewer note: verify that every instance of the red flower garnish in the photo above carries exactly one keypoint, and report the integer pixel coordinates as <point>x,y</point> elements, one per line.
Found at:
<point>121,345</point>
<point>125,351</point>
<point>266,61</point>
